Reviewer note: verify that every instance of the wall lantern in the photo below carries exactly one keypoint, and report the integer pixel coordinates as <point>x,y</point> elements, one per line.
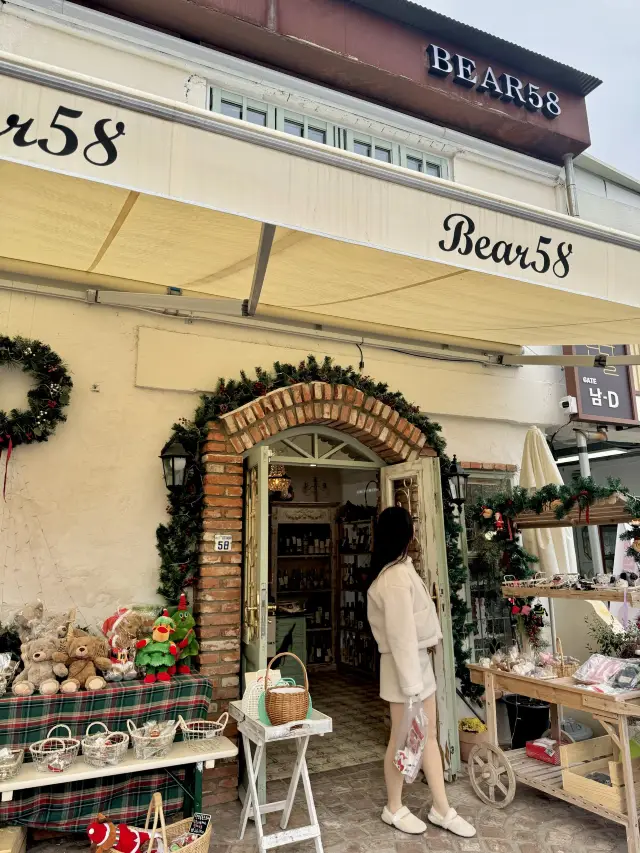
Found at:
<point>457,483</point>
<point>174,463</point>
<point>279,480</point>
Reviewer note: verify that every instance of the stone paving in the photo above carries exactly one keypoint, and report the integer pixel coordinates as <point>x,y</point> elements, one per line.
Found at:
<point>349,802</point>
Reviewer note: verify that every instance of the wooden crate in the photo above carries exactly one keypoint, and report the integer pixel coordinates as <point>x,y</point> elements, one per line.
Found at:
<point>601,755</point>
<point>13,839</point>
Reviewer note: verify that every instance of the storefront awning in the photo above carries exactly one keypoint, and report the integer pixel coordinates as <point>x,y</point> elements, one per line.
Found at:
<point>107,187</point>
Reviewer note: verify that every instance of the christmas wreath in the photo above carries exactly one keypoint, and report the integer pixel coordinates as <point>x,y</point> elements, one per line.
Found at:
<point>46,400</point>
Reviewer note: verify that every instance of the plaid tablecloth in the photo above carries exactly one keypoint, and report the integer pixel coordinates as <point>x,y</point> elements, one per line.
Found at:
<point>123,798</point>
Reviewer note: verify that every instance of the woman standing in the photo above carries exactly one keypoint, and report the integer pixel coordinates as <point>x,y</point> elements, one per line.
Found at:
<point>405,625</point>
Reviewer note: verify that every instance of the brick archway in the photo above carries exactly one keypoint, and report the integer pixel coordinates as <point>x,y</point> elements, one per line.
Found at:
<point>218,601</point>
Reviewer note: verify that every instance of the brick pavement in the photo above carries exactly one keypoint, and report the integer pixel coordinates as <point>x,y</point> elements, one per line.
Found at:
<point>349,802</point>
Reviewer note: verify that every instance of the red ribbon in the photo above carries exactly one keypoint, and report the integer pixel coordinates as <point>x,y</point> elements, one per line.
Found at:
<point>6,465</point>
<point>510,529</point>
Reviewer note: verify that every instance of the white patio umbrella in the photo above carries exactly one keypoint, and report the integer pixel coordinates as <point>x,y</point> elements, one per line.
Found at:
<point>554,547</point>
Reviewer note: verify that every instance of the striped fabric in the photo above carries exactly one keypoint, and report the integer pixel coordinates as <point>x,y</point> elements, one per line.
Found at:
<point>123,798</point>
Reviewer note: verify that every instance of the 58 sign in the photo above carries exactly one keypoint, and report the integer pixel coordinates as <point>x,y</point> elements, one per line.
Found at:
<point>62,139</point>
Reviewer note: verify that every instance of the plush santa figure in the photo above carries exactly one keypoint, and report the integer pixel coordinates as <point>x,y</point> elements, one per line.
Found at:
<point>105,836</point>
<point>109,629</point>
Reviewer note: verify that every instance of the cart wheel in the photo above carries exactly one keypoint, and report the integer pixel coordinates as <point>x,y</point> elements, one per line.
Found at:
<point>492,777</point>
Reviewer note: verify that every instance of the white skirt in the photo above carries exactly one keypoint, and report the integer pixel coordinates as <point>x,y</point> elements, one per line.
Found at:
<point>390,689</point>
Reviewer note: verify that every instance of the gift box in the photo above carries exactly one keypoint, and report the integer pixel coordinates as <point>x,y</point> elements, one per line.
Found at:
<point>543,749</point>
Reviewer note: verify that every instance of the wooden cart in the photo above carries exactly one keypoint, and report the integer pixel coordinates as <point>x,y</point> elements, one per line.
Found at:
<point>494,774</point>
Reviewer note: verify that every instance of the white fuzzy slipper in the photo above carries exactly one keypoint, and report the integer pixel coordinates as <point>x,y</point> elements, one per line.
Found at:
<point>453,822</point>
<point>404,821</point>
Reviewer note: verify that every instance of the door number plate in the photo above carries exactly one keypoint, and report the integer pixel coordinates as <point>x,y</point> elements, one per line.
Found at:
<point>222,542</point>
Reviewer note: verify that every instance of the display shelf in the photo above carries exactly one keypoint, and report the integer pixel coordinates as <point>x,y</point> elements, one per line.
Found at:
<point>303,591</point>
<point>548,779</point>
<point>602,512</point>
<point>180,754</point>
<point>604,594</point>
<point>315,630</point>
<point>304,556</point>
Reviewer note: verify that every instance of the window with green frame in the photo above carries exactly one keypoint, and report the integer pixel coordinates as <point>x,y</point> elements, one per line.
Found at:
<point>318,130</point>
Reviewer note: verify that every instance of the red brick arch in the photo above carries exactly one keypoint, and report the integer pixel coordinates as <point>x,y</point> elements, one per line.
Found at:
<point>218,600</point>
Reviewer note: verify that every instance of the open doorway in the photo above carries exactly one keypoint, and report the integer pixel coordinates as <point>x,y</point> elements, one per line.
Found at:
<point>323,499</point>
<point>310,496</point>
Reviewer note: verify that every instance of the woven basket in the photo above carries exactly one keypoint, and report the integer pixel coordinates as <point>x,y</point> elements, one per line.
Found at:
<point>55,754</point>
<point>97,753</point>
<point>564,666</point>
<point>9,766</point>
<point>146,747</point>
<point>282,704</point>
<point>198,734</point>
<point>169,833</point>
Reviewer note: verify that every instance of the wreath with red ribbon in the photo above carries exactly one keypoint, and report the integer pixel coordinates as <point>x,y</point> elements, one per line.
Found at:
<point>46,400</point>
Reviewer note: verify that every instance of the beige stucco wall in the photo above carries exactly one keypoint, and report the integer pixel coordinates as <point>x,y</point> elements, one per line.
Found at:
<point>102,58</point>
<point>78,525</point>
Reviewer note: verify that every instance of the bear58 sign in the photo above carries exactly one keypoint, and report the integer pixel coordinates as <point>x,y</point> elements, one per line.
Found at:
<point>605,395</point>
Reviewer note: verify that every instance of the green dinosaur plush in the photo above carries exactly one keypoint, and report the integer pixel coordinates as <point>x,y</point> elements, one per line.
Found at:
<point>184,636</point>
<point>158,654</point>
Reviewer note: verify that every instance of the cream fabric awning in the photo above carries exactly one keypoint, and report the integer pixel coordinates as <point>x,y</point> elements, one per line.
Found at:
<point>357,243</point>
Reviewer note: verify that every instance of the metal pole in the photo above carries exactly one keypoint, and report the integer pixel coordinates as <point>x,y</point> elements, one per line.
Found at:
<point>570,180</point>
<point>594,533</point>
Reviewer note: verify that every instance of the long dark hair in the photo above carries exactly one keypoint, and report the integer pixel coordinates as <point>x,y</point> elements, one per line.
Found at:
<point>393,535</point>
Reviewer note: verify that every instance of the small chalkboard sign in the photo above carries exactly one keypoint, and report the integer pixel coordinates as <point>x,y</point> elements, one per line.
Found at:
<point>200,823</point>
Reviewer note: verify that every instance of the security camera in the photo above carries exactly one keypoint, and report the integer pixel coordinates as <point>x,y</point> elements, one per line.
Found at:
<point>569,405</point>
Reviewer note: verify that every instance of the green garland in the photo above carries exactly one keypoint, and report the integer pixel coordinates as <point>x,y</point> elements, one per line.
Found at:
<point>496,519</point>
<point>582,492</point>
<point>178,541</point>
<point>47,399</point>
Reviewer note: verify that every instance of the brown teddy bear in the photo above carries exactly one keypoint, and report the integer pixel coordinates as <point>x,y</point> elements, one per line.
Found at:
<point>83,655</point>
<point>42,664</point>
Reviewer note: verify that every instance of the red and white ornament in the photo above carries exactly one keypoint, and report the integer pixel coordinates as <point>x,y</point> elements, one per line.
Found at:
<point>105,836</point>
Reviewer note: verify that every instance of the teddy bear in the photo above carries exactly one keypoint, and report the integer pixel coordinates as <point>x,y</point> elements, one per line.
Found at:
<point>42,664</point>
<point>83,655</point>
<point>33,622</point>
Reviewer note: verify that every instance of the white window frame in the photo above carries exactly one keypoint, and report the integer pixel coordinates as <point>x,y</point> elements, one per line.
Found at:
<point>337,136</point>
<point>427,160</point>
<point>306,122</point>
<point>353,136</point>
<point>220,95</point>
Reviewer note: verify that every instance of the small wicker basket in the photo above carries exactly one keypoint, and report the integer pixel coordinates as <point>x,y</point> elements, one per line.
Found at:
<point>198,734</point>
<point>168,834</point>
<point>564,665</point>
<point>55,754</point>
<point>99,751</point>
<point>10,765</point>
<point>148,746</point>
<point>286,704</point>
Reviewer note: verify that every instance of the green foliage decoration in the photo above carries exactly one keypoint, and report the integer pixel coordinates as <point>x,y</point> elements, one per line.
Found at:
<point>46,400</point>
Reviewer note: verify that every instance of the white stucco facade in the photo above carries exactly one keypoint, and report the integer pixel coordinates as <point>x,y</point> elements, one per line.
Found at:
<point>78,524</point>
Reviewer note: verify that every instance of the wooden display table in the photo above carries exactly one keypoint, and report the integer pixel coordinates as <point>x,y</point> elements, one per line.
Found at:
<point>256,732</point>
<point>494,773</point>
<point>631,594</point>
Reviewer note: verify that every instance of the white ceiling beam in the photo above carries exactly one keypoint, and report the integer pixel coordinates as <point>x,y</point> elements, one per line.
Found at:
<point>267,233</point>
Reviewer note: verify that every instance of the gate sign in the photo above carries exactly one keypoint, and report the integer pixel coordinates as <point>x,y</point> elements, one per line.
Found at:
<point>222,542</point>
<point>605,395</point>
